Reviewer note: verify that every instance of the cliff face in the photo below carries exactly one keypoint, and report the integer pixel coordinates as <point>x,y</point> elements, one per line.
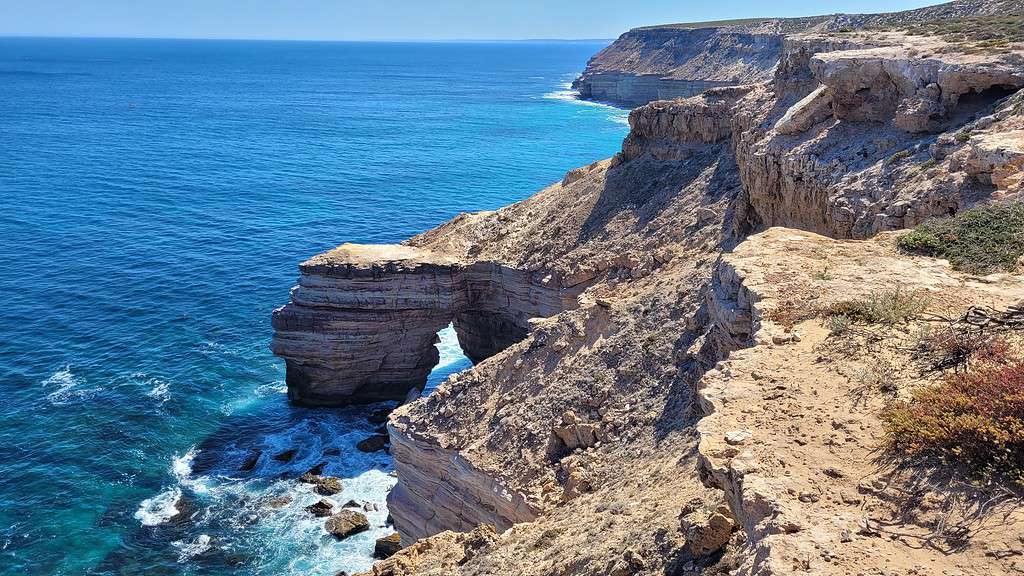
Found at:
<point>683,60</point>
<point>597,432</point>
<point>362,323</point>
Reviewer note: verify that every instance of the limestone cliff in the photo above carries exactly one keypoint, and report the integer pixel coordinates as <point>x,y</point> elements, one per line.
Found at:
<point>598,432</point>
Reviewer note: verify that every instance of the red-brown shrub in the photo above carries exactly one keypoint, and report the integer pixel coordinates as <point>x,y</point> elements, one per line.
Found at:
<point>974,419</point>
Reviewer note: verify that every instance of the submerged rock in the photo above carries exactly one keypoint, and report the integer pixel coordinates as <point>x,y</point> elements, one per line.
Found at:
<point>250,461</point>
<point>374,443</point>
<point>346,523</point>
<point>286,456</point>
<point>379,416</point>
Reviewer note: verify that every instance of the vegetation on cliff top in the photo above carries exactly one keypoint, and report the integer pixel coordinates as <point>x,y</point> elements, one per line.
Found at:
<point>974,419</point>
<point>979,241</point>
<point>973,33</point>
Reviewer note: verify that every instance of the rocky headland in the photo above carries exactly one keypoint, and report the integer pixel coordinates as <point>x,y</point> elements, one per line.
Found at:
<point>656,389</point>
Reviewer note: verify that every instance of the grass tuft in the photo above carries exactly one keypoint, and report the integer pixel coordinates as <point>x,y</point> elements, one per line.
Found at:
<point>979,241</point>
<point>887,307</point>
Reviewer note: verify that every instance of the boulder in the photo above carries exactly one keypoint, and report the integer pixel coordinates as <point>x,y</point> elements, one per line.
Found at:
<point>374,443</point>
<point>346,523</point>
<point>328,486</point>
<point>387,546</point>
<point>322,508</point>
<point>707,532</point>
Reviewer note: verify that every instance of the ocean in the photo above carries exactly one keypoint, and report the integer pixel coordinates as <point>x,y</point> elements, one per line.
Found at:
<point>156,197</point>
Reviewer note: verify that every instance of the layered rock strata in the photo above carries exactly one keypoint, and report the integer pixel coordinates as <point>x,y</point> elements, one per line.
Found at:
<point>681,60</point>
<point>580,429</point>
<point>363,320</point>
<point>850,149</point>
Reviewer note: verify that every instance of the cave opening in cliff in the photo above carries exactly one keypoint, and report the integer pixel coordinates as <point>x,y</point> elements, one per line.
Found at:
<point>975,101</point>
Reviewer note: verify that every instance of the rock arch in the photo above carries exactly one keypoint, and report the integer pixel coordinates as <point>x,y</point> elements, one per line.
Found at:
<point>363,320</point>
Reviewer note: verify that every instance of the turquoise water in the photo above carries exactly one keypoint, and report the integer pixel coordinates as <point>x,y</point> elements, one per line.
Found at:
<point>155,198</point>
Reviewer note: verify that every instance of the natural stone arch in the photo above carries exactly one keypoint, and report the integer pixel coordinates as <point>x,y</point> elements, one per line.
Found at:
<point>363,320</point>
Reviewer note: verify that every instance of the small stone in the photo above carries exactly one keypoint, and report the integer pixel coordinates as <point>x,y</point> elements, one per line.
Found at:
<point>387,546</point>
<point>807,496</point>
<point>845,536</point>
<point>369,507</point>
<point>346,523</point>
<point>736,437</point>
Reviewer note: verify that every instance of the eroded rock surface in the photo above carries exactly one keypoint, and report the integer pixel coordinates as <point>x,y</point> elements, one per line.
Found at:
<point>681,60</point>
<point>363,320</point>
<point>598,307</point>
<point>809,486</point>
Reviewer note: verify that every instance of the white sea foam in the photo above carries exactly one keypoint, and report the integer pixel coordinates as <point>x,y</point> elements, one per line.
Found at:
<point>162,507</point>
<point>66,387</point>
<point>189,550</point>
<point>159,508</point>
<point>567,94</point>
<point>161,390</point>
<point>181,466</point>
<point>448,347</point>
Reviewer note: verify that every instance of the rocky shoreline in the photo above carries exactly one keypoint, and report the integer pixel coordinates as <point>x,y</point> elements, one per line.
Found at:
<point>652,390</point>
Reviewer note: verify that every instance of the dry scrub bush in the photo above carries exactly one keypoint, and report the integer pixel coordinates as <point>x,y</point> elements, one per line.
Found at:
<point>886,307</point>
<point>973,419</point>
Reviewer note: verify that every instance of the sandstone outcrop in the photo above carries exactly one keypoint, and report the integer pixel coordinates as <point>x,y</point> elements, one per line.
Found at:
<point>856,153</point>
<point>807,486</point>
<point>596,309</point>
<point>363,320</point>
<point>346,523</point>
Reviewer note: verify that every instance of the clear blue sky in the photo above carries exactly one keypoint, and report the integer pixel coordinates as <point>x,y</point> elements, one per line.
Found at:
<point>391,19</point>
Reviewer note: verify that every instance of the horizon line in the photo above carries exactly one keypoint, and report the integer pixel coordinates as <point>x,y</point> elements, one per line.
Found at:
<point>335,40</point>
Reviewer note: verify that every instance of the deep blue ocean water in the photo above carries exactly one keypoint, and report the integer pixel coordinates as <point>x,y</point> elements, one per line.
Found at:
<point>155,199</point>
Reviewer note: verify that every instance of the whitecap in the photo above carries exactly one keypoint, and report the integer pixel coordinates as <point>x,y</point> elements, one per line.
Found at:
<point>189,550</point>
<point>159,508</point>
<point>567,94</point>
<point>181,466</point>
<point>161,390</point>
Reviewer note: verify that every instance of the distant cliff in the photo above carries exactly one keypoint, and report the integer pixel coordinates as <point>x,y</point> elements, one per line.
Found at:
<point>682,60</point>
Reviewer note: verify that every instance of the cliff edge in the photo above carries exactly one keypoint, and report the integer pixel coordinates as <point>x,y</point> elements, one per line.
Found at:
<point>656,390</point>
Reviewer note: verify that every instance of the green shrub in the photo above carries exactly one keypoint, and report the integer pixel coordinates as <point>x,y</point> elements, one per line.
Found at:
<point>838,324</point>
<point>898,156</point>
<point>973,419</point>
<point>887,307</point>
<point>979,241</point>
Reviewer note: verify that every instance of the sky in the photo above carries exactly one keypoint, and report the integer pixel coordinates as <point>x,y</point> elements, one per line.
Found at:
<point>392,19</point>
